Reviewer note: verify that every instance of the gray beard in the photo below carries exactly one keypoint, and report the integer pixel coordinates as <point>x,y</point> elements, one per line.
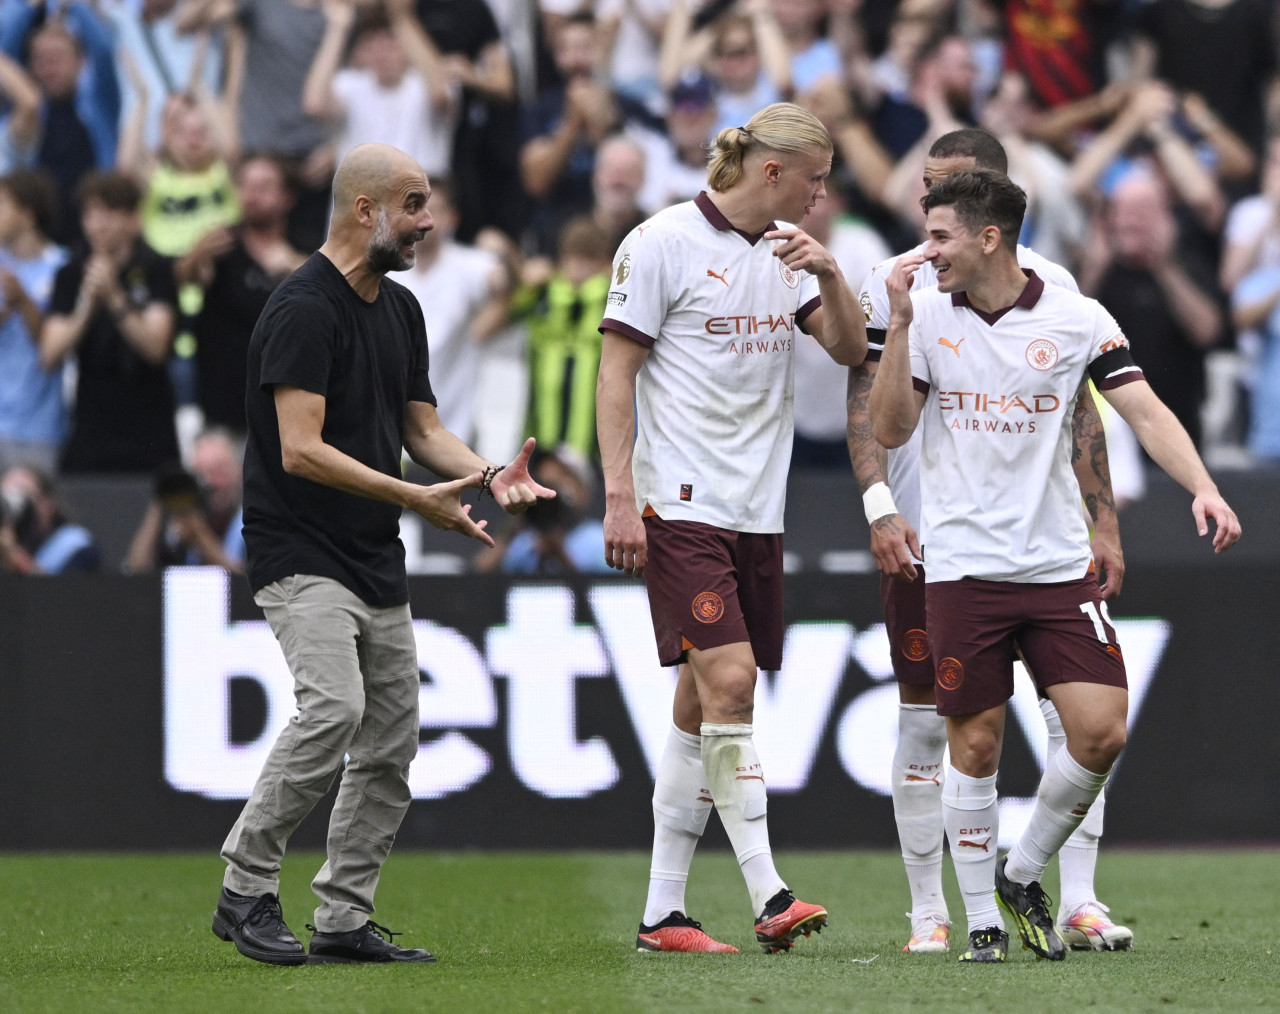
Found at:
<point>383,251</point>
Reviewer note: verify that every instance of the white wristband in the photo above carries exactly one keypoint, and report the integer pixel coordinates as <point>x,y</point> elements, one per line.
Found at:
<point>877,501</point>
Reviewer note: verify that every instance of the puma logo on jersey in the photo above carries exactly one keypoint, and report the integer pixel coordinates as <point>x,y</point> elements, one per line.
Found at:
<point>976,844</point>
<point>721,276</point>
<point>954,348</point>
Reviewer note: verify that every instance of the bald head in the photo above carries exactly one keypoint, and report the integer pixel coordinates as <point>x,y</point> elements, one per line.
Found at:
<point>379,209</point>
<point>371,170</point>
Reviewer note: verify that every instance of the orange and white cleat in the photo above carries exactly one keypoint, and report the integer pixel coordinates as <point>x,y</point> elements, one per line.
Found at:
<point>1087,927</point>
<point>784,919</point>
<point>677,932</point>
<point>930,934</point>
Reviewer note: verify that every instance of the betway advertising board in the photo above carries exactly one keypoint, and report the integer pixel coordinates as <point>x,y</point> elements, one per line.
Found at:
<point>544,711</point>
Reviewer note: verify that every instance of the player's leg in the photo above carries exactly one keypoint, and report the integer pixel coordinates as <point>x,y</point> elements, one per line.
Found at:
<point>917,763</point>
<point>1083,920</point>
<point>725,678</point>
<point>970,630</point>
<point>681,805</point>
<point>971,816</point>
<point>1072,655</point>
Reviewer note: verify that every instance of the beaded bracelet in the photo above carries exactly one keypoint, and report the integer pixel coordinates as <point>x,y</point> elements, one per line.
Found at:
<point>486,479</point>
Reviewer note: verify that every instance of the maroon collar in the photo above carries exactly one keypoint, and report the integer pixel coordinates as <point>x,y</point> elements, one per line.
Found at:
<point>1028,298</point>
<point>716,217</point>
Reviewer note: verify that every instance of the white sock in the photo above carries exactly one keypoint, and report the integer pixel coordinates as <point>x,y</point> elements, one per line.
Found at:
<point>681,806</point>
<point>1078,858</point>
<point>971,816</point>
<point>1065,792</point>
<point>737,785</point>
<point>917,803</point>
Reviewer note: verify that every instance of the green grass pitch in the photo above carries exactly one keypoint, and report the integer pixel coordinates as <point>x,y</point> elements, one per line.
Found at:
<point>556,932</point>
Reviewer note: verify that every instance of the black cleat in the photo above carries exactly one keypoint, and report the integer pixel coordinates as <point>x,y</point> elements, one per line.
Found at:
<point>256,926</point>
<point>365,944</point>
<point>1029,906</point>
<point>987,946</point>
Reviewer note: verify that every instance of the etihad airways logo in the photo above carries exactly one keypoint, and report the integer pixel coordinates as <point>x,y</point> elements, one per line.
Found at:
<point>984,410</point>
<point>747,324</point>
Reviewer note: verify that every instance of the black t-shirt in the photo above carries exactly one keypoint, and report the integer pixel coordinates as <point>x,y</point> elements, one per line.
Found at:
<point>369,360</point>
<point>1224,53</point>
<point>233,302</point>
<point>124,404</point>
<point>459,26</point>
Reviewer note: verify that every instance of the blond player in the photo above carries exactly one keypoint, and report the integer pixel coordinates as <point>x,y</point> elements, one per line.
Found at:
<point>694,413</point>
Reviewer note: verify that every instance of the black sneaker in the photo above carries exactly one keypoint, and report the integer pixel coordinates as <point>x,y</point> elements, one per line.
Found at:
<point>360,945</point>
<point>256,926</point>
<point>1029,906</point>
<point>987,945</point>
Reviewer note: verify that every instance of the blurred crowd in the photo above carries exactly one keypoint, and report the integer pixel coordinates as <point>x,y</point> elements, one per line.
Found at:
<point>164,164</point>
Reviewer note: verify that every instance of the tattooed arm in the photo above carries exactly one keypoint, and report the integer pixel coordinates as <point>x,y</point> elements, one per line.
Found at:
<point>893,542</point>
<point>1093,473</point>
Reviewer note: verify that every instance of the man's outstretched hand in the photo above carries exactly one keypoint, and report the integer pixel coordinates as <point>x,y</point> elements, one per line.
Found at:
<point>441,504</point>
<point>513,487</point>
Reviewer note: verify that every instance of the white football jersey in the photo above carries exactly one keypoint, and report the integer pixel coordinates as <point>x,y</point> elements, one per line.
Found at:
<point>714,398</point>
<point>1000,501</point>
<point>904,461</point>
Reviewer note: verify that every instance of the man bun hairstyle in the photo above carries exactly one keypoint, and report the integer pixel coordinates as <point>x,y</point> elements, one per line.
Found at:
<point>974,143</point>
<point>782,127</point>
<point>981,197</point>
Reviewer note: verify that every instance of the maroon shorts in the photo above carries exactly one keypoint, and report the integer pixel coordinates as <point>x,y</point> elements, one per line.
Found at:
<point>904,620</point>
<point>710,586</point>
<point>975,628</point>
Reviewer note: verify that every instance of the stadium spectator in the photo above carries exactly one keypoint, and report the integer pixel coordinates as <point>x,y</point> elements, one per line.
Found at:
<point>80,111</point>
<point>37,536</point>
<point>618,184</point>
<point>194,518</point>
<point>393,90</point>
<point>238,268</point>
<point>187,182</point>
<point>631,34</point>
<point>1161,293</point>
<point>676,167</point>
<point>819,388</point>
<point>271,45</point>
<point>1221,50</point>
<point>1055,222</point>
<point>743,53</point>
<point>696,505</point>
<point>563,312</point>
<point>892,479</point>
<point>1060,46</point>
<point>479,62</point>
<point>565,126</point>
<point>463,292</point>
<point>1145,134</point>
<point>113,307</point>
<point>1011,565</point>
<point>338,389</point>
<point>813,55</point>
<point>1256,309</point>
<point>166,60</point>
<point>20,123</point>
<point>33,416</point>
